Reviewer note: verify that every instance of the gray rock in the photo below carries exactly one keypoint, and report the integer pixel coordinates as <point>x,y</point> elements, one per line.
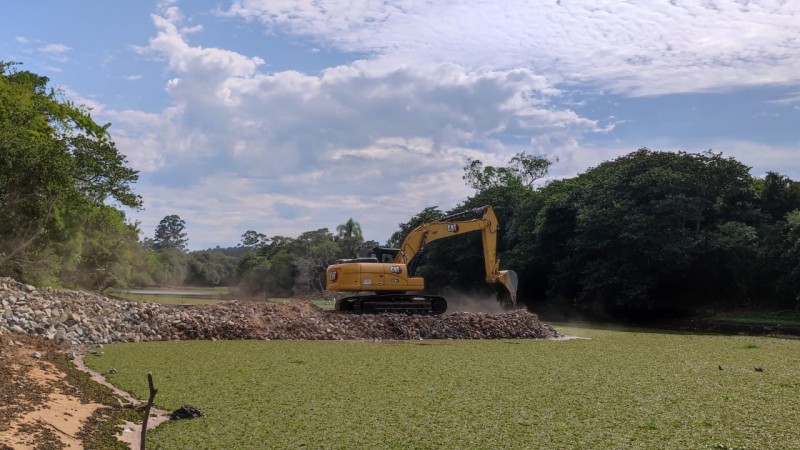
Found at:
<point>82,318</point>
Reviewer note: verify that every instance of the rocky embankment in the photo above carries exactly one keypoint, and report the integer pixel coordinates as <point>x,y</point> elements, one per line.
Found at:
<point>83,318</point>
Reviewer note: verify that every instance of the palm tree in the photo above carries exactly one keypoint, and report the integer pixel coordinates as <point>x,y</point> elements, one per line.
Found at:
<point>349,234</point>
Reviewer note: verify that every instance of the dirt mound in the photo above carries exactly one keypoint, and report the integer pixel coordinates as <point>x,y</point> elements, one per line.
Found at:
<point>83,318</point>
<point>304,320</point>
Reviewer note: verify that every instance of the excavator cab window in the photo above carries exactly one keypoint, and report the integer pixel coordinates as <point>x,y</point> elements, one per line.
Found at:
<point>384,255</point>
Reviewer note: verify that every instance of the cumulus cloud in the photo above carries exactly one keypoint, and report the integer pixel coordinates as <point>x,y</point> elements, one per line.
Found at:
<point>627,47</point>
<point>283,152</point>
<point>301,117</point>
<point>380,138</point>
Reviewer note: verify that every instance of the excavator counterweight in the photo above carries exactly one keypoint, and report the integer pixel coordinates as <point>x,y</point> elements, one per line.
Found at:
<point>389,275</point>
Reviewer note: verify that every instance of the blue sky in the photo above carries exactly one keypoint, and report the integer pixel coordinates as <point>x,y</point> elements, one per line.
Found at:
<point>284,116</point>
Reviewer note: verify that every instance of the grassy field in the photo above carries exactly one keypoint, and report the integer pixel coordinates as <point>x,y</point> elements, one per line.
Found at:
<point>618,389</point>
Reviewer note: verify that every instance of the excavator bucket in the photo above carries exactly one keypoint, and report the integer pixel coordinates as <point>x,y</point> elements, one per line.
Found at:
<point>506,288</point>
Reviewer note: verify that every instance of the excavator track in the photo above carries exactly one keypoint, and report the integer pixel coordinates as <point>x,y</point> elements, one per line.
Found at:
<point>393,303</point>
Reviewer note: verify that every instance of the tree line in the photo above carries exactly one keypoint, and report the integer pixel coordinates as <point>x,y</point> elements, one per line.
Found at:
<point>644,231</point>
<point>647,231</point>
<point>277,266</point>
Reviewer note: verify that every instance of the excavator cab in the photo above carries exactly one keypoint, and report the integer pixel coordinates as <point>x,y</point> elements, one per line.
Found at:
<point>383,254</point>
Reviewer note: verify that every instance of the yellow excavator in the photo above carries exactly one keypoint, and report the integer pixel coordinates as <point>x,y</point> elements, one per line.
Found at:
<point>388,274</point>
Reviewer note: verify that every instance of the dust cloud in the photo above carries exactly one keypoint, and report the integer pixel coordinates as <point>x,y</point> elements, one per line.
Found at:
<point>473,303</point>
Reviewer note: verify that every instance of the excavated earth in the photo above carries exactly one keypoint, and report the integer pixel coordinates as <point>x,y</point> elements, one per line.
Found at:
<point>82,318</point>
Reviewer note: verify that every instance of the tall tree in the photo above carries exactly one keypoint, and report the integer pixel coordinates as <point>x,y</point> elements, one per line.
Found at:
<point>170,234</point>
<point>350,237</point>
<point>253,240</point>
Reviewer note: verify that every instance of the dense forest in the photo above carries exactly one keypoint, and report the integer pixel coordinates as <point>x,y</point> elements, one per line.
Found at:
<point>646,231</point>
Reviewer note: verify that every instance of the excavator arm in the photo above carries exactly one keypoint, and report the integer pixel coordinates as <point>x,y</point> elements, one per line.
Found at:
<point>415,243</point>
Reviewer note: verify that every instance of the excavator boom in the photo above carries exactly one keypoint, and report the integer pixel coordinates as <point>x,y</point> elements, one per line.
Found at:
<point>392,272</point>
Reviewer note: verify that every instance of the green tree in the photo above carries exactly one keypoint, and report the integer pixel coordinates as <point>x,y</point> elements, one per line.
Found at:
<point>170,234</point>
<point>56,167</point>
<point>650,226</point>
<point>210,268</point>
<point>350,237</point>
<point>104,253</point>
<point>733,248</point>
<point>522,170</point>
<point>270,271</point>
<point>169,267</point>
<point>791,259</point>
<point>254,240</point>
<point>778,195</point>
<point>312,252</point>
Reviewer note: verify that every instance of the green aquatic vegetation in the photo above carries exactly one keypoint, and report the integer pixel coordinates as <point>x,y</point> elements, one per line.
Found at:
<point>618,389</point>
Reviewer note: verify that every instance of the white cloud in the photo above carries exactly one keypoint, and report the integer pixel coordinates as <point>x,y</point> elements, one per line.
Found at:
<point>55,49</point>
<point>283,152</point>
<point>790,100</point>
<point>133,77</point>
<point>224,96</point>
<point>56,52</point>
<point>381,138</point>
<point>634,48</point>
<point>138,134</point>
<point>761,157</point>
